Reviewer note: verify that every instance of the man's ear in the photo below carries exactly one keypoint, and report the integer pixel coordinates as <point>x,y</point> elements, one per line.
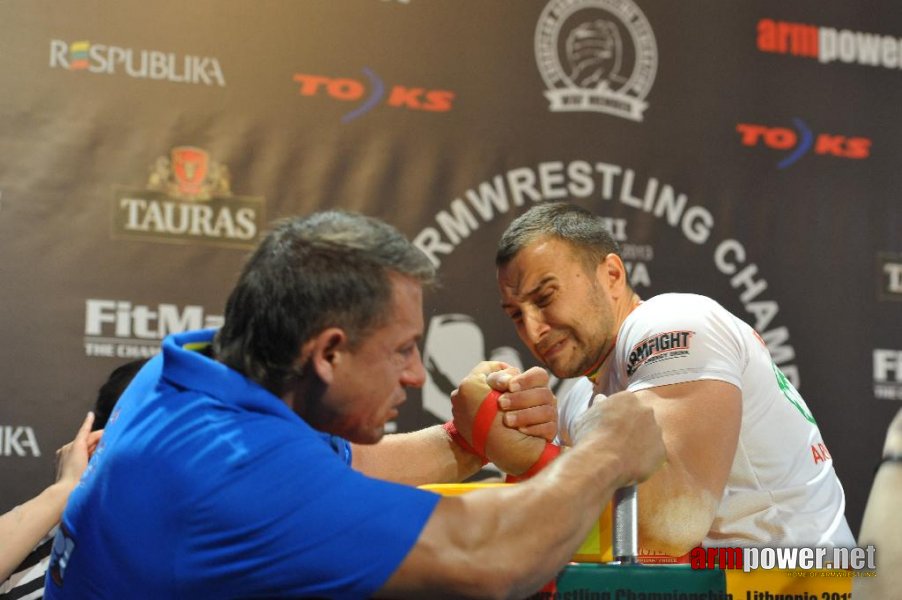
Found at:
<point>326,351</point>
<point>611,272</point>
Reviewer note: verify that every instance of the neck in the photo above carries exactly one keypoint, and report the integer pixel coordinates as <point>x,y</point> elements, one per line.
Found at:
<point>621,312</point>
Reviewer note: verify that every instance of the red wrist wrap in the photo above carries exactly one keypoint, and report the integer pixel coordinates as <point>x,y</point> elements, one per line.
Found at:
<point>461,441</point>
<point>482,422</point>
<point>548,454</point>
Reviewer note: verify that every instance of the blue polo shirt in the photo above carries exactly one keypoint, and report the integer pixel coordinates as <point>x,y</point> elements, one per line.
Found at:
<point>207,486</point>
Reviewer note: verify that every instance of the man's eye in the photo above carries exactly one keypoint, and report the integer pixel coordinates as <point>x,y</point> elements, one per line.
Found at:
<point>516,317</point>
<point>545,300</point>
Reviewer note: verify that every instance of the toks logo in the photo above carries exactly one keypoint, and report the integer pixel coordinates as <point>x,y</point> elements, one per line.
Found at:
<point>143,64</point>
<point>352,90</point>
<point>188,198</point>
<point>782,138</point>
<point>596,55</point>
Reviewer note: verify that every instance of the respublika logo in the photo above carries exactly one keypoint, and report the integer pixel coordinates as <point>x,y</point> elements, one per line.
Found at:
<point>18,440</point>
<point>827,45</point>
<point>121,329</point>
<point>889,274</point>
<point>887,374</point>
<point>187,198</point>
<point>140,64</point>
<point>801,141</point>
<point>596,55</point>
<point>346,89</point>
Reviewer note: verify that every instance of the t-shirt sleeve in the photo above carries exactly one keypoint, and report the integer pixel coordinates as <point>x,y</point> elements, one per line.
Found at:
<point>679,338</point>
<point>306,524</point>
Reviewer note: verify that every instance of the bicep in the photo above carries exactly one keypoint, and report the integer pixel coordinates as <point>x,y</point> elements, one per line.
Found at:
<point>700,422</point>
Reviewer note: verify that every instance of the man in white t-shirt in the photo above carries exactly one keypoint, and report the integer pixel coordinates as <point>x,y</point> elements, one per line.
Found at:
<point>746,462</point>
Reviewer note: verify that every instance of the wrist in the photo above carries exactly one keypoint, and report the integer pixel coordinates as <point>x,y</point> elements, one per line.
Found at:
<point>546,455</point>
<point>461,442</point>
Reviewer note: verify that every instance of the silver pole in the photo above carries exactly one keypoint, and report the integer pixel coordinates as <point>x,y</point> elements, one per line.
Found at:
<point>625,543</point>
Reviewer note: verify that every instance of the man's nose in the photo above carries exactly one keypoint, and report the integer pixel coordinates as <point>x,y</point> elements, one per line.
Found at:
<point>534,326</point>
<point>414,373</point>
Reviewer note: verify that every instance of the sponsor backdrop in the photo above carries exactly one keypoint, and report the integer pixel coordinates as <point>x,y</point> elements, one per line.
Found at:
<point>744,150</point>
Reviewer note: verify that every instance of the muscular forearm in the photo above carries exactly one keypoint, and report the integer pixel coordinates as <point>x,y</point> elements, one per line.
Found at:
<point>24,526</point>
<point>425,456</point>
<point>498,543</point>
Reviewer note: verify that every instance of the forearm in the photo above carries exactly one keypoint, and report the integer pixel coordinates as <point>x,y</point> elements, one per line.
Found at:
<point>425,456</point>
<point>509,542</point>
<point>24,526</point>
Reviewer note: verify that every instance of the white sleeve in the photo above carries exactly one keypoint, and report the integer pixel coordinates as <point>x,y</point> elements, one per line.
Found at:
<point>675,338</point>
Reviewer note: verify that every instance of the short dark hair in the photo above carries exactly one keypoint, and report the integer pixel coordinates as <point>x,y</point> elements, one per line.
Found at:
<point>583,230</point>
<point>112,388</point>
<point>328,269</point>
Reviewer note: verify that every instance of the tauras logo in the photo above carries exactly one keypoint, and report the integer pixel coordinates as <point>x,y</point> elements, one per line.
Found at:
<point>187,198</point>
<point>18,440</point>
<point>596,55</point>
<point>119,328</point>
<point>140,64</point>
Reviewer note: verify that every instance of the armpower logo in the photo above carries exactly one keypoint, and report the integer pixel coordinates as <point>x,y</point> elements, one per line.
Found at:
<point>188,198</point>
<point>827,45</point>
<point>663,346</point>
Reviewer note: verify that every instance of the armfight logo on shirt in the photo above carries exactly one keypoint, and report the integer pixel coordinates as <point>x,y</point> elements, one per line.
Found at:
<point>661,346</point>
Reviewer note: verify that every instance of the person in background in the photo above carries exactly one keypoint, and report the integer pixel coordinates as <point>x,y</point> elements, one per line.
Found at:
<point>27,531</point>
<point>881,525</point>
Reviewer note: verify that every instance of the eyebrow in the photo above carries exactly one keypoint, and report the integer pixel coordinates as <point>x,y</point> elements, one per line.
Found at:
<point>532,292</point>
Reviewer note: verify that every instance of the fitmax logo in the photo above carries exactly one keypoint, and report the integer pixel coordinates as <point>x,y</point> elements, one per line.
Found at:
<point>801,141</point>
<point>117,328</point>
<point>353,90</point>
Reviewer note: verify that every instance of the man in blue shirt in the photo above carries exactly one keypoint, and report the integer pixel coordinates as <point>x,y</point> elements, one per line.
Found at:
<point>225,471</point>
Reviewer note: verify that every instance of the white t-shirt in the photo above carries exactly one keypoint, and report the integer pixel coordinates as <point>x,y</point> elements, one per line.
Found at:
<point>782,489</point>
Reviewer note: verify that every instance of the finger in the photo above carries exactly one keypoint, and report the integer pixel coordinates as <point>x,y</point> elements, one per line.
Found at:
<point>93,440</point>
<point>536,415</point>
<point>85,430</point>
<point>500,380</point>
<point>489,366</point>
<point>541,396</point>
<point>530,378</point>
<point>546,431</point>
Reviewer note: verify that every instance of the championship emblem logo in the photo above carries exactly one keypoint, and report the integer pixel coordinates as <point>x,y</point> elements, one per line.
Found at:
<point>596,55</point>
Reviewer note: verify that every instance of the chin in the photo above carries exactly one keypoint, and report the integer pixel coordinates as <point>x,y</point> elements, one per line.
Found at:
<point>371,436</point>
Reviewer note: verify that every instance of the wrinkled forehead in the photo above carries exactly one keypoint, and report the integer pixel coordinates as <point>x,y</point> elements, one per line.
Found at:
<point>534,264</point>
